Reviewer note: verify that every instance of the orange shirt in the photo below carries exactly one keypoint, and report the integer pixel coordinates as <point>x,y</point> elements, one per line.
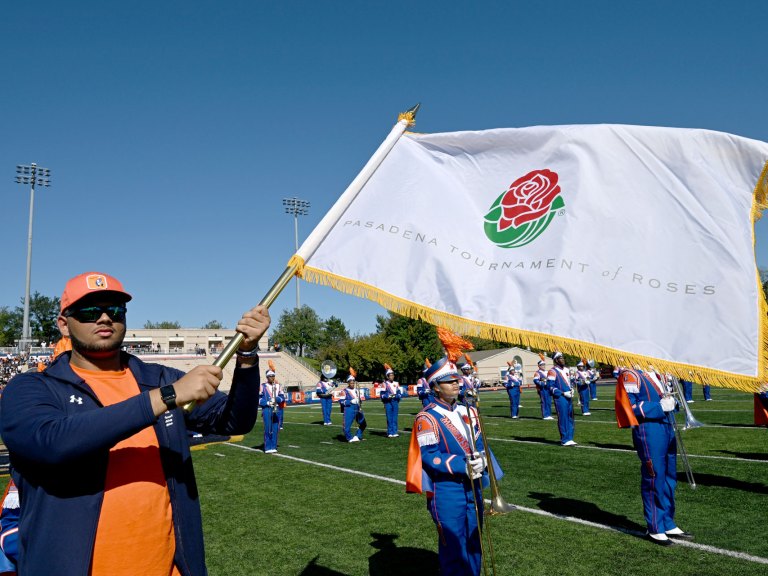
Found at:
<point>135,530</point>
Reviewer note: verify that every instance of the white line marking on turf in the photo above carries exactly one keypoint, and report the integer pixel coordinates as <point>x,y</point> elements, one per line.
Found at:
<point>703,547</point>
<point>627,450</point>
<point>320,464</point>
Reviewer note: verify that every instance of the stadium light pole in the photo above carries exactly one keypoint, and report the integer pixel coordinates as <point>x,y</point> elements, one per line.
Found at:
<point>297,208</point>
<point>32,175</point>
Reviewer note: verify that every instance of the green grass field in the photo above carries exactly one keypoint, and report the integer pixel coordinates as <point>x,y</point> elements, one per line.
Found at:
<point>325,507</point>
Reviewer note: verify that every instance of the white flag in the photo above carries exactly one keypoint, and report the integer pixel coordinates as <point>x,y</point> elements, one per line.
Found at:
<point>628,244</point>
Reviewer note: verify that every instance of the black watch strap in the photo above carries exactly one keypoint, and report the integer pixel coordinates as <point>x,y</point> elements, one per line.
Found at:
<point>168,394</point>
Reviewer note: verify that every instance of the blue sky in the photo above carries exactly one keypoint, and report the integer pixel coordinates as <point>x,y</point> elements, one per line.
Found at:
<point>169,121</point>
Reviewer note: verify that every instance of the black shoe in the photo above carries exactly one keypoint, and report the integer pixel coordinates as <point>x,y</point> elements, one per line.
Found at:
<point>666,542</point>
<point>681,536</point>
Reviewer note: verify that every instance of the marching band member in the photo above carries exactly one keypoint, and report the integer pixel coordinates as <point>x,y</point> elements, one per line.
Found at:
<point>353,410</point>
<point>540,381</point>
<point>513,383</point>
<point>269,397</point>
<point>444,464</point>
<point>761,407</point>
<point>583,379</point>
<point>281,405</point>
<point>558,383</point>
<point>9,530</point>
<point>707,389</point>
<point>594,376</point>
<point>390,396</point>
<point>324,391</point>
<point>468,387</point>
<point>642,402</point>
<point>422,387</point>
<point>688,390</point>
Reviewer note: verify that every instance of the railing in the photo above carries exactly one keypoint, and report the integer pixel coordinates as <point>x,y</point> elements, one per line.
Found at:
<point>33,350</point>
<point>301,361</point>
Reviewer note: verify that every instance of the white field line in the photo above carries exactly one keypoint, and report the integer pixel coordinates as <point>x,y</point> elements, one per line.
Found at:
<point>580,446</point>
<point>587,420</point>
<point>702,547</point>
<point>627,450</point>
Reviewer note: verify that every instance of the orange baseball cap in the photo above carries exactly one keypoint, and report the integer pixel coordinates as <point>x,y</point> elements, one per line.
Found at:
<point>89,283</point>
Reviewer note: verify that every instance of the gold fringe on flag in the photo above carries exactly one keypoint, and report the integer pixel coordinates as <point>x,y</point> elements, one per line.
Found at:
<point>535,340</point>
<point>760,203</point>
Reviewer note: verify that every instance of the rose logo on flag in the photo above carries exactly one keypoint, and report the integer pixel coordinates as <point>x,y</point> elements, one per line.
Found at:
<point>523,212</point>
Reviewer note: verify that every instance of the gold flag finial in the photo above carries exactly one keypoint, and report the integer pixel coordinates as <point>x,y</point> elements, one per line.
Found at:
<point>410,115</point>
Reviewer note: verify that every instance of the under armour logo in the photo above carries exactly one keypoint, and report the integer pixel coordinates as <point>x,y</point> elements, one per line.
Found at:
<point>168,417</point>
<point>75,399</point>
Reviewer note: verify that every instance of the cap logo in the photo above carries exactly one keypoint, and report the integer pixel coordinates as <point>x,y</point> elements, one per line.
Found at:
<point>96,282</point>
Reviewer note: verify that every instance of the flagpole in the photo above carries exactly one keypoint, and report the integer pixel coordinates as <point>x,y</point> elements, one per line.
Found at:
<point>317,236</point>
<point>314,240</point>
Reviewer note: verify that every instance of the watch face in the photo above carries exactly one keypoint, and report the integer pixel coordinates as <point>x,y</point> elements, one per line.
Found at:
<point>168,394</point>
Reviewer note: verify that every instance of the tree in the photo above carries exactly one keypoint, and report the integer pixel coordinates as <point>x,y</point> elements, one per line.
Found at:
<point>214,325</point>
<point>164,325</point>
<point>298,330</point>
<point>334,332</point>
<point>412,341</point>
<point>43,312</point>
<point>486,344</point>
<point>364,354</point>
<point>10,326</point>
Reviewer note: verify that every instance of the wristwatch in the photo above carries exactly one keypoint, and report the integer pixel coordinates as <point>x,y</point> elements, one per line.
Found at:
<point>249,354</point>
<point>168,394</point>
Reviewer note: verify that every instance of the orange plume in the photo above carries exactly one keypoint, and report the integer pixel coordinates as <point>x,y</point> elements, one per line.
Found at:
<point>271,365</point>
<point>387,366</point>
<point>541,356</point>
<point>352,373</point>
<point>509,363</point>
<point>427,363</point>
<point>453,344</point>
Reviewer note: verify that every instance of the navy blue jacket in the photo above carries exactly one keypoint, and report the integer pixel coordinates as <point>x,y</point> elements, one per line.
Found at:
<point>59,435</point>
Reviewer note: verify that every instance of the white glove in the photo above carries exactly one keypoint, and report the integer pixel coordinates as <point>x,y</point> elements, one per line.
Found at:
<point>354,401</point>
<point>475,466</point>
<point>271,403</point>
<point>568,394</point>
<point>667,403</point>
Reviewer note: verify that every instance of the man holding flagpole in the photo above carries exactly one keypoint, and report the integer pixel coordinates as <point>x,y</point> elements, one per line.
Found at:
<point>98,443</point>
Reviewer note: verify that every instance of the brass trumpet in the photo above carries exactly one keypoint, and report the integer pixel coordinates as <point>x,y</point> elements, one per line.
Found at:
<point>690,422</point>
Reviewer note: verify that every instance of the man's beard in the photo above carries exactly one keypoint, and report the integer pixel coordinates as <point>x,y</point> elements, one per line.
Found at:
<point>98,347</point>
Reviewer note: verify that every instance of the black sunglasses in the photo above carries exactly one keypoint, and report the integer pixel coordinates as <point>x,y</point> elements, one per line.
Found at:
<point>93,313</point>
